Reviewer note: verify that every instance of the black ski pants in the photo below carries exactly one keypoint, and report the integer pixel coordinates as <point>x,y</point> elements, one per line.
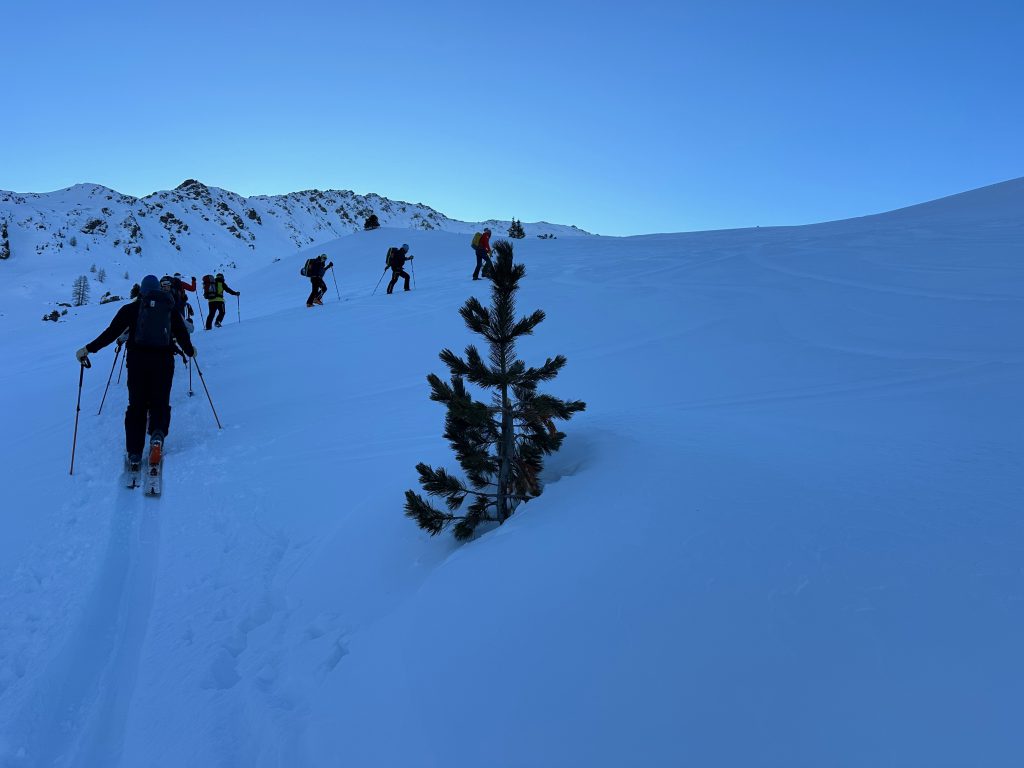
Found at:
<point>481,257</point>
<point>216,307</point>
<point>394,279</point>
<point>319,289</point>
<point>150,374</point>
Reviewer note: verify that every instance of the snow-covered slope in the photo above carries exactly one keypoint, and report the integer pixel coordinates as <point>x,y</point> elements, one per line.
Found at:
<point>47,240</point>
<point>786,531</point>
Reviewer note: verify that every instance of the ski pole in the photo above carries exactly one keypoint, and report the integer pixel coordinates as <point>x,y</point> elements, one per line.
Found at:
<point>121,368</point>
<point>238,306</point>
<point>413,275</point>
<point>335,283</point>
<point>381,278</point>
<point>112,366</point>
<point>78,407</point>
<point>200,372</point>
<point>190,392</point>
<point>201,318</point>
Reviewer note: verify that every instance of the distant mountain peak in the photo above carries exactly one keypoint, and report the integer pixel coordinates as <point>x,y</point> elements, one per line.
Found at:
<point>192,187</point>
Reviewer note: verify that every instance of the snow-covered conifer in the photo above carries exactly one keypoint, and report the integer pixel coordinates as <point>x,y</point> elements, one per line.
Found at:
<point>501,445</point>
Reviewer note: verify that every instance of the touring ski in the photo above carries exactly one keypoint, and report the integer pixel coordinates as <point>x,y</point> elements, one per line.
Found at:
<point>155,468</point>
<point>132,472</point>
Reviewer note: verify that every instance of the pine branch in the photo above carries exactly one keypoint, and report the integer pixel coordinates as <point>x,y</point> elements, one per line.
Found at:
<point>434,521</point>
<point>456,364</point>
<point>437,482</point>
<point>439,391</point>
<point>429,519</point>
<point>526,325</point>
<point>477,317</point>
<point>546,372</point>
<point>476,370</point>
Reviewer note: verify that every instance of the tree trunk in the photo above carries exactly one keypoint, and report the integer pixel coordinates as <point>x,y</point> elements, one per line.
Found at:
<point>506,448</point>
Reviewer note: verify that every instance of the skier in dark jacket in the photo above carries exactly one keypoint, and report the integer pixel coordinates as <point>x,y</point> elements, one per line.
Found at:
<point>483,254</point>
<point>153,327</point>
<point>396,260</point>
<point>315,272</point>
<point>216,300</point>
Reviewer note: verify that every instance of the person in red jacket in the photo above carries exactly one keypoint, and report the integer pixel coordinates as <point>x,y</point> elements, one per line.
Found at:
<point>483,253</point>
<point>181,298</point>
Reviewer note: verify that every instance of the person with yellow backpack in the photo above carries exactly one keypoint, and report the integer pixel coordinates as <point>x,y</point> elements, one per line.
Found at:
<point>214,289</point>
<point>482,249</point>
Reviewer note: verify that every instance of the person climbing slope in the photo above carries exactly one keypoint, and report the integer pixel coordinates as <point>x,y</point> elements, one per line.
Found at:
<point>214,289</point>
<point>154,327</point>
<point>396,261</point>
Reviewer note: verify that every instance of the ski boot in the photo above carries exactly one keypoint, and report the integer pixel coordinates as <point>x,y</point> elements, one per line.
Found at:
<point>156,448</point>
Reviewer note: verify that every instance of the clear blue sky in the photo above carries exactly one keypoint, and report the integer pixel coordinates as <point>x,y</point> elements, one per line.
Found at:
<point>621,118</point>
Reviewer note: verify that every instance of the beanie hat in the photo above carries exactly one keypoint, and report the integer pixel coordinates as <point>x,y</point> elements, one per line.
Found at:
<point>149,284</point>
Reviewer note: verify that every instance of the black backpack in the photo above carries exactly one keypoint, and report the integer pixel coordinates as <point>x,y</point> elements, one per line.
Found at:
<point>153,328</point>
<point>387,259</point>
<point>309,269</point>
<point>178,292</point>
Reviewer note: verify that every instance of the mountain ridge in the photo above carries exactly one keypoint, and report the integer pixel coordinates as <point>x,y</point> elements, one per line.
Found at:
<point>198,217</point>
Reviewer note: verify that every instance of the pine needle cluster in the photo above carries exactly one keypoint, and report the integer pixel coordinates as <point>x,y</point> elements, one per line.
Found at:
<point>501,445</point>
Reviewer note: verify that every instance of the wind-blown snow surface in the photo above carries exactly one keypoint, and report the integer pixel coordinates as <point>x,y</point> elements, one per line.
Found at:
<point>786,532</point>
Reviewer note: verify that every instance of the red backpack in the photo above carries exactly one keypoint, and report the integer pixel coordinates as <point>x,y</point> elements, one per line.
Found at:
<point>209,287</point>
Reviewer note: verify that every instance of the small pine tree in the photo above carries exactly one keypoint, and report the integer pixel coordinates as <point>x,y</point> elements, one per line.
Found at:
<point>515,231</point>
<point>93,269</point>
<point>5,243</point>
<point>126,275</point>
<point>500,446</point>
<point>80,291</point>
<point>73,241</point>
<point>102,275</point>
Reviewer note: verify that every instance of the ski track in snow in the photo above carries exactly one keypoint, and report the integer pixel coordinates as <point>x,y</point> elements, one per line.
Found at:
<point>83,700</point>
